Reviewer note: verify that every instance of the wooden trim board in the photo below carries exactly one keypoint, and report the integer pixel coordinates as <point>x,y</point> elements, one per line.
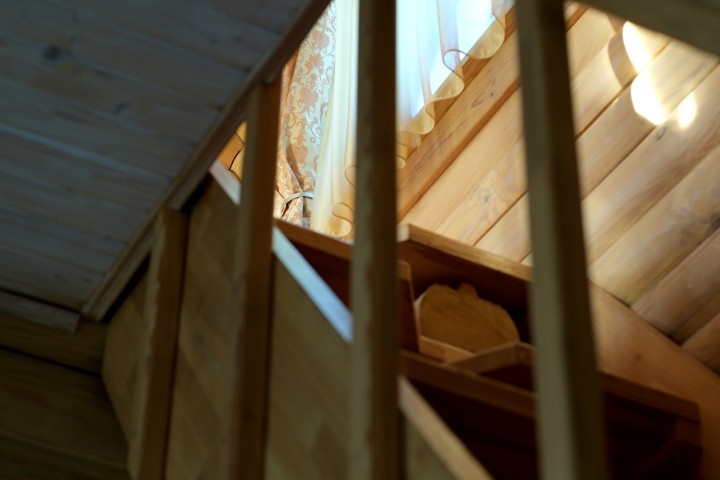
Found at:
<point>38,312</point>
<point>156,363</point>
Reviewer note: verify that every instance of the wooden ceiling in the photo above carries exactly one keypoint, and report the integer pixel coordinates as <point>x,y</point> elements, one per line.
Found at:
<point>647,117</point>
<point>102,104</point>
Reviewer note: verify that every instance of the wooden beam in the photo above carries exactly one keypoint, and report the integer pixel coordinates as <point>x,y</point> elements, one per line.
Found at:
<point>32,310</point>
<point>192,173</point>
<point>570,425</point>
<point>154,378</point>
<point>692,21</point>
<point>82,349</point>
<point>251,283</point>
<point>374,421</point>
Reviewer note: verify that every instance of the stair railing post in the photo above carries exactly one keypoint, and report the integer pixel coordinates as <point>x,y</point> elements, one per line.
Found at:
<point>373,452</point>
<point>571,432</point>
<point>244,440</point>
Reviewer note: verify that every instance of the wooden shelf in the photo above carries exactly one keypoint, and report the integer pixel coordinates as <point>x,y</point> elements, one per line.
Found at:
<point>489,402</point>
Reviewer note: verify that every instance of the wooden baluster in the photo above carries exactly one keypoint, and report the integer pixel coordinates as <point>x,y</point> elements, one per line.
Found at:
<point>154,382</point>
<point>373,403</point>
<point>244,446</point>
<point>570,419</point>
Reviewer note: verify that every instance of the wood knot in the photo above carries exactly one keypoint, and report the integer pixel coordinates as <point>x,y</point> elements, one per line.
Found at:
<point>52,52</point>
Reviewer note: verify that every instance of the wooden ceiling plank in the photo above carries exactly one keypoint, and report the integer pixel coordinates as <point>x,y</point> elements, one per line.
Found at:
<point>70,37</point>
<point>50,201</point>
<point>477,105</point>
<point>194,170</point>
<point>96,245</point>
<point>46,115</point>
<point>265,14</point>
<point>208,32</point>
<point>703,345</point>
<point>58,241</point>
<point>673,302</point>
<point>664,236</point>
<point>132,190</point>
<point>692,21</point>
<point>42,272</point>
<point>21,307</point>
<point>124,98</point>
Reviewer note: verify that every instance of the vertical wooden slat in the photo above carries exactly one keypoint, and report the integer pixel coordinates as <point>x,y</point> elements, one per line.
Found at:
<point>374,451</point>
<point>244,447</point>
<point>153,388</point>
<point>571,432</point>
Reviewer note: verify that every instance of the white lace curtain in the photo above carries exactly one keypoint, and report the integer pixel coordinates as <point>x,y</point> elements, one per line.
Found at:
<point>316,175</point>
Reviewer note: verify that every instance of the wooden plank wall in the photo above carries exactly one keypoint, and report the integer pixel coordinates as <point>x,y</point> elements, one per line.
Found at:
<point>56,423</point>
<point>650,192</point>
<point>310,365</point>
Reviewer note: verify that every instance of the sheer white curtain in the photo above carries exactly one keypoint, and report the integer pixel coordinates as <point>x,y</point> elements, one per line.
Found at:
<point>434,37</point>
<point>334,203</point>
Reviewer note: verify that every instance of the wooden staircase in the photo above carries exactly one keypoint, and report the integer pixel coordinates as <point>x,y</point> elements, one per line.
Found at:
<point>465,415</point>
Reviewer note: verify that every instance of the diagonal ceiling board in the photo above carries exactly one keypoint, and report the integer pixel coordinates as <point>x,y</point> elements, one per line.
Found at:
<point>68,35</point>
<point>197,167</point>
<point>206,31</point>
<point>127,99</point>
<point>45,279</point>
<point>44,238</point>
<point>268,14</point>
<point>26,195</point>
<point>133,189</point>
<point>46,115</point>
